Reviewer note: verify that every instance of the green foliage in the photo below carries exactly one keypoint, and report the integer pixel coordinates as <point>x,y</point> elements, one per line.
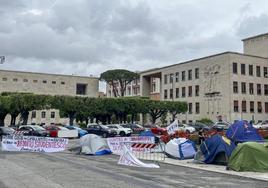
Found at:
<point>121,76</point>
<point>206,121</point>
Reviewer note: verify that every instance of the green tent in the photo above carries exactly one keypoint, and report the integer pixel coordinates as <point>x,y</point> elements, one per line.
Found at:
<point>249,156</point>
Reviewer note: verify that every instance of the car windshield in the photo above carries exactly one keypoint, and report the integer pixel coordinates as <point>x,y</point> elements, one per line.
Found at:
<point>38,128</point>
<point>104,126</point>
<point>63,128</point>
<point>112,126</point>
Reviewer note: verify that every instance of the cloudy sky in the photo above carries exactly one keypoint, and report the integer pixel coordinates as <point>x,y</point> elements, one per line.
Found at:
<point>87,37</point>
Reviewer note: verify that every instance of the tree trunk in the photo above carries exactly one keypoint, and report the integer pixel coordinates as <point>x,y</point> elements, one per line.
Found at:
<point>2,121</point>
<point>13,119</point>
<point>24,116</point>
<point>71,120</point>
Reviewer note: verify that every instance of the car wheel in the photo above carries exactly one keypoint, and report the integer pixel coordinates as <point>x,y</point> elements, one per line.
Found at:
<point>122,133</point>
<point>104,135</point>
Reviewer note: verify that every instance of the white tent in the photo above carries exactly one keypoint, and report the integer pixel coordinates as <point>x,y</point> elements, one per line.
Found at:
<point>94,145</point>
<point>180,148</point>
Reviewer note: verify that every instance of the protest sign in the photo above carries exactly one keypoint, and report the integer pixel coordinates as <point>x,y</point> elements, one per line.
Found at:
<point>33,143</point>
<point>173,127</point>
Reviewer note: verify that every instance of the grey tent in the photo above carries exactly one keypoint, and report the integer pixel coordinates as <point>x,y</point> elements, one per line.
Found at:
<point>94,145</point>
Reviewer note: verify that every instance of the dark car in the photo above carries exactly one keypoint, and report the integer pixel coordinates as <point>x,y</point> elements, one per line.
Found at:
<point>101,130</point>
<point>34,130</point>
<point>6,131</point>
<point>136,128</point>
<point>200,126</point>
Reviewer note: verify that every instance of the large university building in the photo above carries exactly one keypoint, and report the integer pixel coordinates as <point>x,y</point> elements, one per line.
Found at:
<point>229,85</point>
<point>47,84</point>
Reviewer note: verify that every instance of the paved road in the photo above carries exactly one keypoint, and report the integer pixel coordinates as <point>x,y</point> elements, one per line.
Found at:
<point>66,169</point>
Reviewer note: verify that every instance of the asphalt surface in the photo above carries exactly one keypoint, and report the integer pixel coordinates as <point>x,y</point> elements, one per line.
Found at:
<point>67,169</point>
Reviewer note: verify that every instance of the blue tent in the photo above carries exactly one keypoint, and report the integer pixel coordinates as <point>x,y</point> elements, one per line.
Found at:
<point>147,133</point>
<point>242,131</point>
<point>217,149</point>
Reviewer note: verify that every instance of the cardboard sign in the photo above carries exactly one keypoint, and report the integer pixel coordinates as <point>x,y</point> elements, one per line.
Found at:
<point>33,143</point>
<point>116,144</point>
<point>173,127</point>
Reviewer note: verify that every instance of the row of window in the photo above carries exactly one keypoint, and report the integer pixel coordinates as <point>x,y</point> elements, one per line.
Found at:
<point>197,108</point>
<point>251,90</point>
<point>34,81</point>
<point>169,78</point>
<point>243,70</point>
<point>251,106</point>
<point>43,114</point>
<point>183,92</point>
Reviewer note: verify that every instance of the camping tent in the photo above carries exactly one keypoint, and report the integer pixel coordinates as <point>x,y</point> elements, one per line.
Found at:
<point>94,145</point>
<point>217,149</point>
<point>249,156</point>
<point>180,148</point>
<point>242,131</point>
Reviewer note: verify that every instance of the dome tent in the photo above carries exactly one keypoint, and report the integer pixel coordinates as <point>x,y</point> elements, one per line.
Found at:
<point>94,145</point>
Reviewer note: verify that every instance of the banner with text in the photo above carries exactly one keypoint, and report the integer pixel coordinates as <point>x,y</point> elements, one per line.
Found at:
<point>116,143</point>
<point>173,127</point>
<point>33,144</point>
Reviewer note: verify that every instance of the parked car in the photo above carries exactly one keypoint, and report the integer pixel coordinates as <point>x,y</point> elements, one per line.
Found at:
<point>221,125</point>
<point>6,131</point>
<point>34,130</point>
<point>101,130</point>
<point>199,126</point>
<point>261,125</point>
<point>158,130</point>
<point>136,128</point>
<point>120,130</point>
<point>81,132</point>
<point>186,128</point>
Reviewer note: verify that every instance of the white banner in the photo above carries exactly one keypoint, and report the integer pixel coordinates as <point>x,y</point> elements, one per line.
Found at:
<point>116,143</point>
<point>33,144</point>
<point>173,127</point>
<point>128,159</point>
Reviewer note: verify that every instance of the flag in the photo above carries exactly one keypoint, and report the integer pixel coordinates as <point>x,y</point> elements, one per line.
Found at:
<point>2,59</point>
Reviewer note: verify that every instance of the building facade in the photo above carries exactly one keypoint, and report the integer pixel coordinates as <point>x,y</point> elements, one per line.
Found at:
<point>229,85</point>
<point>47,84</point>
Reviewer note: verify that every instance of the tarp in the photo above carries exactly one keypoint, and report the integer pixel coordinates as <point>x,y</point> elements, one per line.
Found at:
<point>217,149</point>
<point>94,145</point>
<point>242,131</point>
<point>180,148</point>
<point>147,133</point>
<point>249,156</point>
<point>128,159</point>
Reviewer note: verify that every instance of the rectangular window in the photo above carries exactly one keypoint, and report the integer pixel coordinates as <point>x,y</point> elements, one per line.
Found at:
<point>33,114</point>
<point>43,114</point>
<point>15,79</point>
<point>265,72</point>
<point>259,107</point>
<point>234,68</point>
<point>62,83</point>
<point>165,79</point>
<point>236,107</point>
<point>165,94</point>
<point>177,76</point>
<point>258,71</point>
<point>197,73</point>
<point>52,115</point>
<point>183,76</point>
<point>177,93</point>
<point>197,90</point>
<point>53,82</point>
<point>35,81</point>
<point>44,81</point>
<point>190,91</point>
<point>183,92</point>
<point>250,70</point>
<point>244,106</point>
<point>4,79</point>
<point>197,108</point>
<point>190,108</point>
<point>129,90</point>
<point>265,89</point>
<point>25,80</point>
<point>171,78</point>
<point>243,69</point>
<point>171,93</point>
<point>81,89</point>
<point>251,88</point>
<point>258,89</point>
<point>266,107</point>
<point>243,87</point>
<point>251,106</point>
<point>189,74</point>
<point>235,87</point>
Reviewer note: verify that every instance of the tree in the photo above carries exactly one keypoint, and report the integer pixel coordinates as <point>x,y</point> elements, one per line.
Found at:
<point>4,108</point>
<point>157,109</point>
<point>176,107</point>
<point>120,76</point>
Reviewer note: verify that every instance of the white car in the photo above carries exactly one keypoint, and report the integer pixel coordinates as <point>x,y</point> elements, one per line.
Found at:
<point>261,125</point>
<point>120,130</point>
<point>187,128</point>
